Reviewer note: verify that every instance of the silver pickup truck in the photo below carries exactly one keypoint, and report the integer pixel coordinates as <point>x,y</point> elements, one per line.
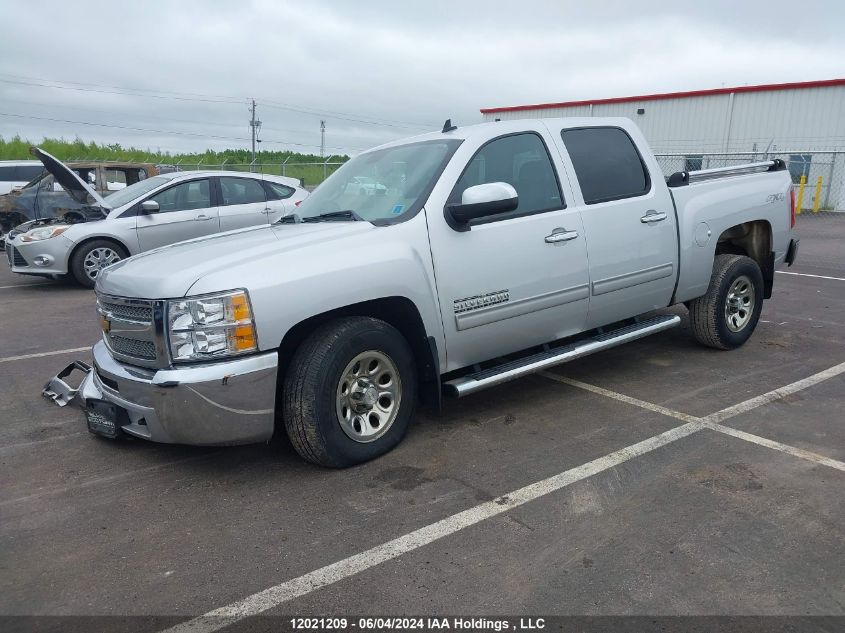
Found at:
<point>486,253</point>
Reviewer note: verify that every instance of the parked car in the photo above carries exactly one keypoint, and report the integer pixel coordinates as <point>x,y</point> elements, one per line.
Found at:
<point>508,247</point>
<point>150,213</point>
<point>14,174</point>
<point>365,186</point>
<point>44,197</point>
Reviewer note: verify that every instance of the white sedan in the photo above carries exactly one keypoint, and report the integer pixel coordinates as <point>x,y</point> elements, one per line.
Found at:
<point>154,212</point>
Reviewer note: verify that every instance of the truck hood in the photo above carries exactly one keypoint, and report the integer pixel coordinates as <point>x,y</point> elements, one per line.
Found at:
<point>170,271</point>
<point>77,188</point>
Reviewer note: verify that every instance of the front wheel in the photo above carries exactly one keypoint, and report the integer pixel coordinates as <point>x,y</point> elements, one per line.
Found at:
<point>92,257</point>
<point>725,317</point>
<point>350,392</point>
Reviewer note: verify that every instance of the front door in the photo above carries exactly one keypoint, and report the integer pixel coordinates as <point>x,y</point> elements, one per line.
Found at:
<point>511,281</point>
<point>629,221</point>
<point>185,212</point>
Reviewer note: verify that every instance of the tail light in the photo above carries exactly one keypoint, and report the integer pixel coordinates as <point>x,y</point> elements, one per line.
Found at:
<point>791,207</point>
<point>299,202</point>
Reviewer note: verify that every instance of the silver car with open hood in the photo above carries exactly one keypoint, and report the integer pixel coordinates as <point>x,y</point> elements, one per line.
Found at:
<point>153,212</point>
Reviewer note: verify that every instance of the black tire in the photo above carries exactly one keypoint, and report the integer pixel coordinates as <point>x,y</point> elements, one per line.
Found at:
<point>77,260</point>
<point>711,323</point>
<point>310,391</point>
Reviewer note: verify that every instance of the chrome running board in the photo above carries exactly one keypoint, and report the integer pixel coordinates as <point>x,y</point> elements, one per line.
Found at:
<point>477,381</point>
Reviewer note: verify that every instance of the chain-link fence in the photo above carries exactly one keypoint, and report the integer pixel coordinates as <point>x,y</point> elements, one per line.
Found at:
<point>819,177</point>
<point>309,174</point>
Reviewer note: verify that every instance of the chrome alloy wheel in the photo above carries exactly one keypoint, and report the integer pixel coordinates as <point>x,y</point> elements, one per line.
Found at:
<point>99,258</point>
<point>368,396</point>
<point>739,305</point>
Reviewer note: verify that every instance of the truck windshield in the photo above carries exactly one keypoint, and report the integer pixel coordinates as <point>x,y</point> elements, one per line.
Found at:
<point>382,186</point>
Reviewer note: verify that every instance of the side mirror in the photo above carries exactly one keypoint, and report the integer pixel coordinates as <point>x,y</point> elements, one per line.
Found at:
<point>481,201</point>
<point>150,206</point>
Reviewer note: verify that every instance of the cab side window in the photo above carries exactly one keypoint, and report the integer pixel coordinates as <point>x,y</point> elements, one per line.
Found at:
<point>607,164</point>
<point>522,161</point>
<point>241,191</point>
<point>194,194</point>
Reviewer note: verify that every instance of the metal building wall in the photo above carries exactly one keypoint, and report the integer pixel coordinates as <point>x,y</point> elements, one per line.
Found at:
<point>792,119</point>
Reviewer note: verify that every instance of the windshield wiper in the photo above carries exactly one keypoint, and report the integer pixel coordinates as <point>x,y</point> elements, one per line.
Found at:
<point>289,219</point>
<point>334,216</point>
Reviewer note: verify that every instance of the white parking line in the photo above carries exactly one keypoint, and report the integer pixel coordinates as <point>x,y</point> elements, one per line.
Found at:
<point>775,394</point>
<point>783,272</point>
<point>778,446</point>
<point>621,397</point>
<point>43,283</point>
<point>57,352</point>
<point>712,421</point>
<point>335,572</point>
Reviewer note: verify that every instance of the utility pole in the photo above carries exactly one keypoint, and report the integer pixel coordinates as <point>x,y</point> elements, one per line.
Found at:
<point>255,126</point>
<point>322,138</point>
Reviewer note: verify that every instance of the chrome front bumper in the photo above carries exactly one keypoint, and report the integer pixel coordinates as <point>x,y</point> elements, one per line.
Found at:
<point>228,402</point>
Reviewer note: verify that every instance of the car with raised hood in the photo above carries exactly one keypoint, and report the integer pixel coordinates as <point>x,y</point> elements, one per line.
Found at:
<point>98,232</point>
<point>497,250</point>
<point>41,196</point>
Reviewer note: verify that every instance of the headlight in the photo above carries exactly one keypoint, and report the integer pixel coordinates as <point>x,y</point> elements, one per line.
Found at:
<point>211,327</point>
<point>44,233</point>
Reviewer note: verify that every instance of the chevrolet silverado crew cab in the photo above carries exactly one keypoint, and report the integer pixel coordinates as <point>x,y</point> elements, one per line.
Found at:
<point>494,251</point>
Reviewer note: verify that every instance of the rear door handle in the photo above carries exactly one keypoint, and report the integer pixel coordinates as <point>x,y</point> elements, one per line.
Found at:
<point>266,211</point>
<point>561,235</point>
<point>653,216</point>
<point>203,218</point>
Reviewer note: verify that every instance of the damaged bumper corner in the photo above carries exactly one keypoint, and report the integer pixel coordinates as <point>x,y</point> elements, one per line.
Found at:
<point>221,403</point>
<point>62,393</point>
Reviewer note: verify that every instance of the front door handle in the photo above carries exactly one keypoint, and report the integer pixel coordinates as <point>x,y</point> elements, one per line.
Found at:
<point>653,216</point>
<point>203,218</point>
<point>561,235</point>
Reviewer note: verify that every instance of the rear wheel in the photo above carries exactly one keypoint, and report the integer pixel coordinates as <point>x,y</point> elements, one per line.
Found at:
<point>725,317</point>
<point>350,392</point>
<point>91,258</point>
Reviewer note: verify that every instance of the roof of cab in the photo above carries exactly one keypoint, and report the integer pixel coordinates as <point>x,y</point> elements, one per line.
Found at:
<point>492,129</point>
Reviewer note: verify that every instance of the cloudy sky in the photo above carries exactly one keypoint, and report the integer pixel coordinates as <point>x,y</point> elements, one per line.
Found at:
<point>177,76</point>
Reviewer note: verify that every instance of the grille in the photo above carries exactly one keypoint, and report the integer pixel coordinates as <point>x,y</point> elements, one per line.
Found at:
<point>142,314</point>
<point>133,347</point>
<point>15,257</point>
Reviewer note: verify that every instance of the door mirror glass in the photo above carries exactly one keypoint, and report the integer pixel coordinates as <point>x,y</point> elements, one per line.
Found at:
<point>150,206</point>
<point>481,201</point>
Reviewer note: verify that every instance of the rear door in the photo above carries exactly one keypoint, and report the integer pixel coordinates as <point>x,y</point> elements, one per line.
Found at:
<point>243,202</point>
<point>185,211</point>
<point>281,199</point>
<point>629,222</point>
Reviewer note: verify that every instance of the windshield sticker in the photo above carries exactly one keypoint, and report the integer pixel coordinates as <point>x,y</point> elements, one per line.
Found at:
<point>398,209</point>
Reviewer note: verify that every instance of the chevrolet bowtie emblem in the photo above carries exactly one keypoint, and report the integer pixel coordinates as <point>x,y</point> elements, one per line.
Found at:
<point>105,323</point>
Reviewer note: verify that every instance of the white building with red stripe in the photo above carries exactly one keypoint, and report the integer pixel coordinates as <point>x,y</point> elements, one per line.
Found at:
<point>792,120</point>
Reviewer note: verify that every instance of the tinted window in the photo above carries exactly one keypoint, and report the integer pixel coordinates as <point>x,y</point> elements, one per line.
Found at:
<point>241,191</point>
<point>25,173</point>
<point>277,191</point>
<point>520,160</point>
<point>607,164</point>
<point>193,194</point>
<point>7,174</point>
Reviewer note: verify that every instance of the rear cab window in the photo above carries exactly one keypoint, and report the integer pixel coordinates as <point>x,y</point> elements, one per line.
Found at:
<point>607,164</point>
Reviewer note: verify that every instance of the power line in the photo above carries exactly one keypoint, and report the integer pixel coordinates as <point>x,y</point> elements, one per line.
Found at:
<point>154,118</point>
<point>142,129</point>
<point>182,96</point>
